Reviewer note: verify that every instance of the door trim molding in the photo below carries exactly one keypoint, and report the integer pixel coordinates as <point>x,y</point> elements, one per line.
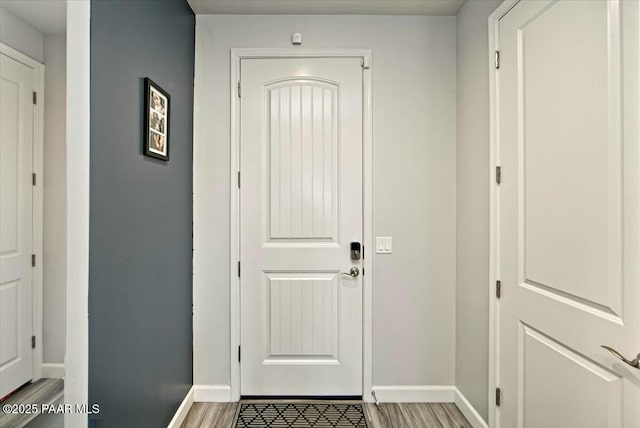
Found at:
<point>76,360</point>
<point>245,53</point>
<point>494,205</point>
<point>37,201</point>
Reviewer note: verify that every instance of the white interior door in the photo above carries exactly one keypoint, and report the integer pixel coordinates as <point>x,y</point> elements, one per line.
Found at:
<point>301,207</point>
<point>569,216</point>
<point>16,218</point>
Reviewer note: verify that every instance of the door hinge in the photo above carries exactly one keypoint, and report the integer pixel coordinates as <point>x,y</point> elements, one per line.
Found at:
<point>498,174</point>
<point>497,59</point>
<point>363,254</point>
<point>238,179</point>
<point>498,397</point>
<point>35,97</point>
<point>239,354</point>
<point>498,289</point>
<point>239,89</point>
<point>33,179</point>
<point>33,342</point>
<point>238,267</point>
<point>33,260</point>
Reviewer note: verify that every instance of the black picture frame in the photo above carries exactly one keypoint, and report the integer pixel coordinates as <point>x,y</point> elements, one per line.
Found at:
<point>157,103</point>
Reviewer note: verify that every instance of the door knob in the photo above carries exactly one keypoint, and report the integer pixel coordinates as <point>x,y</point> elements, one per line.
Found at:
<point>633,363</point>
<point>353,272</point>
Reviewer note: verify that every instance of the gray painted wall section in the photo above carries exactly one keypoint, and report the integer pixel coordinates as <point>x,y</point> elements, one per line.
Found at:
<point>140,287</point>
<point>472,203</point>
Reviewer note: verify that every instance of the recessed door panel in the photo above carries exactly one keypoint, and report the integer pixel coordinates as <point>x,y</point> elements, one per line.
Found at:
<point>303,317</point>
<point>10,163</point>
<point>9,300</point>
<point>570,154</point>
<point>303,161</point>
<point>577,383</point>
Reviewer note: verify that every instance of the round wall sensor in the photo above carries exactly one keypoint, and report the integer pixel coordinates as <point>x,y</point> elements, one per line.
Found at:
<point>296,39</point>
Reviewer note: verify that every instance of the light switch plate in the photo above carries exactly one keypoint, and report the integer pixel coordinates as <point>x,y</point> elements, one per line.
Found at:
<point>383,245</point>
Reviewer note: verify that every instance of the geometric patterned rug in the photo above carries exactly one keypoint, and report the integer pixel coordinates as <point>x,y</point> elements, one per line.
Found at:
<point>300,415</point>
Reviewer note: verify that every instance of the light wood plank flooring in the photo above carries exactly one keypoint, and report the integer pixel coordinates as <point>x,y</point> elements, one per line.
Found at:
<point>389,415</point>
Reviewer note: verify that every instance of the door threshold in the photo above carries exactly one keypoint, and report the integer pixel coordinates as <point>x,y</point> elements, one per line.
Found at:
<point>301,398</point>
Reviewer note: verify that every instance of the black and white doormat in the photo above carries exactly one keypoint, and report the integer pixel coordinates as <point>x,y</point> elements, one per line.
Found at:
<point>300,415</point>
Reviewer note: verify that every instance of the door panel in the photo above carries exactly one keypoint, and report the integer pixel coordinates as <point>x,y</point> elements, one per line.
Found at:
<point>578,384</point>
<point>10,163</point>
<point>569,214</point>
<point>9,299</point>
<point>16,139</point>
<point>302,316</point>
<point>571,244</point>
<point>301,206</point>
<point>304,191</point>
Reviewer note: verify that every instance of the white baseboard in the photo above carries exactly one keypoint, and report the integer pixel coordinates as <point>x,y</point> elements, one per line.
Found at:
<point>469,411</point>
<point>183,410</point>
<point>212,393</point>
<point>430,394</point>
<point>415,393</point>
<point>52,370</point>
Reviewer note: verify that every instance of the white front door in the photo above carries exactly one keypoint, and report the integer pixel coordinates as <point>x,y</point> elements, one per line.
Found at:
<point>301,207</point>
<point>569,214</point>
<point>16,219</point>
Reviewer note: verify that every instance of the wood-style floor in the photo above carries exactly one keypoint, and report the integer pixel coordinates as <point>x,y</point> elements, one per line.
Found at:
<point>43,391</point>
<point>389,415</point>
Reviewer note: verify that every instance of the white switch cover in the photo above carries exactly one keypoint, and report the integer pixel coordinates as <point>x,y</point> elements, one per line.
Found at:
<point>383,244</point>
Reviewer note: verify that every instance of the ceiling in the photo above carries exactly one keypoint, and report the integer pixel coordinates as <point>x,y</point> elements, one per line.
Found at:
<point>327,7</point>
<point>46,16</point>
<point>49,16</point>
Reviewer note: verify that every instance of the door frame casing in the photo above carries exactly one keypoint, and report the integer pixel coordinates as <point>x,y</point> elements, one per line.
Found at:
<point>37,201</point>
<point>78,162</point>
<point>237,55</point>
<point>494,205</point>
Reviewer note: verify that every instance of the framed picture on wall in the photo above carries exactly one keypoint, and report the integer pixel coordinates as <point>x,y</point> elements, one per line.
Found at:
<point>156,120</point>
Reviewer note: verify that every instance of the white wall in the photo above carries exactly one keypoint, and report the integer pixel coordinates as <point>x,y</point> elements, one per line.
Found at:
<point>55,223</point>
<point>472,259</point>
<point>21,36</point>
<point>414,132</point>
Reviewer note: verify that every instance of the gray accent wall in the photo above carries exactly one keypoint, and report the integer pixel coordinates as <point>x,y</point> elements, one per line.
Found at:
<point>472,203</point>
<point>140,287</point>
